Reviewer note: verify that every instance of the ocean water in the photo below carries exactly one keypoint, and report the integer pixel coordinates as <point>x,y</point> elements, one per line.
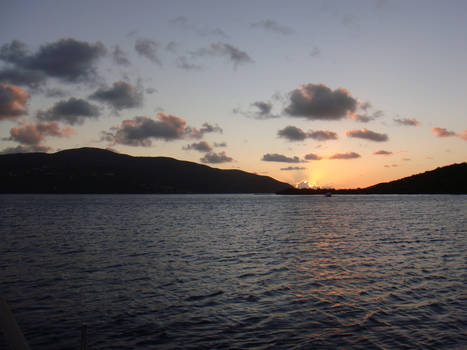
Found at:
<point>236,271</point>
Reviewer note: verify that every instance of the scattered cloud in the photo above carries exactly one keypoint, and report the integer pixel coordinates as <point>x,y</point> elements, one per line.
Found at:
<point>34,134</point>
<point>258,110</point>
<point>382,153</point>
<point>67,59</point>
<point>315,52</point>
<point>25,149</point>
<point>184,23</point>
<point>140,130</point>
<point>148,48</point>
<point>220,144</point>
<point>365,118</point>
<point>205,129</point>
<point>201,146</point>
<point>322,135</point>
<point>349,155</point>
<point>367,135</point>
<point>317,101</point>
<point>442,132</point>
<point>273,26</point>
<point>312,156</point>
<point>183,63</point>
<point>72,111</point>
<point>292,168</point>
<point>121,95</point>
<point>235,55</point>
<point>13,101</point>
<point>407,121</point>
<point>275,157</point>
<point>119,56</point>
<point>216,158</point>
<point>292,133</point>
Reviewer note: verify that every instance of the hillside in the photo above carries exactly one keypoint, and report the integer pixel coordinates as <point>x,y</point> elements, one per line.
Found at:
<point>451,179</point>
<point>93,170</point>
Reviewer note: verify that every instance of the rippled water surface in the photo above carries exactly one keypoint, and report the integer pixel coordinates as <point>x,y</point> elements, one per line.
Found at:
<point>236,271</point>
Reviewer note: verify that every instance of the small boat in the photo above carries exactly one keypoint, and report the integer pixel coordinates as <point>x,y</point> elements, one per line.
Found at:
<point>328,194</point>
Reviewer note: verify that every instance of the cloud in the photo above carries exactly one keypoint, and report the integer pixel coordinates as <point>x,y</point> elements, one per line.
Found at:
<point>216,158</point>
<point>25,149</point>
<point>407,121</point>
<point>275,157</point>
<point>259,110</point>
<point>141,129</point>
<point>367,134</point>
<point>312,156</point>
<point>382,153</point>
<point>121,95</point>
<point>22,77</point>
<point>148,48</point>
<point>273,26</point>
<point>235,55</point>
<point>72,111</point>
<point>199,133</point>
<point>220,144</point>
<point>349,155</point>
<point>291,168</point>
<point>13,101</point>
<point>315,52</point>
<point>322,135</point>
<point>33,134</point>
<point>67,59</point>
<point>150,90</point>
<point>463,135</point>
<point>317,101</point>
<point>292,133</point>
<point>442,132</point>
<point>119,56</point>
<point>365,118</point>
<point>183,23</point>
<point>201,146</point>
<point>183,63</point>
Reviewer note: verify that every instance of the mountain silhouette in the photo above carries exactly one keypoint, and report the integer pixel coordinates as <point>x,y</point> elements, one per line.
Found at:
<point>94,170</point>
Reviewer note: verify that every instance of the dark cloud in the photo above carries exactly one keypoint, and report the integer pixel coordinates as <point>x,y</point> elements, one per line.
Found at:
<point>13,101</point>
<point>66,59</point>
<point>312,156</point>
<point>183,63</point>
<point>140,130</point>
<point>407,121</point>
<point>349,155</point>
<point>201,146</point>
<point>259,110</point>
<point>25,149</point>
<point>291,168</point>
<point>121,95</point>
<point>55,92</point>
<point>275,157</point>
<point>119,56</point>
<point>172,47</point>
<point>292,133</point>
<point>34,134</point>
<point>317,101</point>
<point>150,90</point>
<point>216,158</point>
<point>235,55</point>
<point>72,111</point>
<point>367,135</point>
<point>220,144</point>
<point>272,25</point>
<point>22,77</point>
<point>382,153</point>
<point>199,133</point>
<point>322,135</point>
<point>148,48</point>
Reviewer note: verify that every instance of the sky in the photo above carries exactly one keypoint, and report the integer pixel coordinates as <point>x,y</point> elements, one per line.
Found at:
<point>340,94</point>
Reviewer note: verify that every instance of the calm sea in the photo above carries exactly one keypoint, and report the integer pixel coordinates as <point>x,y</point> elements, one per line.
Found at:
<point>236,271</point>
